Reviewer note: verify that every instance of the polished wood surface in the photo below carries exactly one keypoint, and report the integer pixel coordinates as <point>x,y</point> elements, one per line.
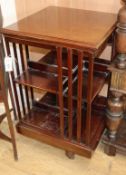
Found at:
<point>66,25</point>
<point>71,115</point>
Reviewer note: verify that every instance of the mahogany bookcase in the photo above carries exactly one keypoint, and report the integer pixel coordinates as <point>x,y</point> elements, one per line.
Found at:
<point>70,115</point>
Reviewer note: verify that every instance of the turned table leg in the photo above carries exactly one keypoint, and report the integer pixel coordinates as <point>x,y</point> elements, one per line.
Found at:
<point>114,115</point>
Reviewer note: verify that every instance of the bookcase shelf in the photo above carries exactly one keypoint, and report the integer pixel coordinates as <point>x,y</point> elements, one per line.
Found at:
<point>39,80</point>
<point>48,82</point>
<point>48,122</point>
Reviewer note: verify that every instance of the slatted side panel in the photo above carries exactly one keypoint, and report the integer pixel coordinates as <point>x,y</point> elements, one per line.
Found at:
<point>78,121</point>
<point>12,76</point>
<point>20,53</point>
<point>18,72</point>
<point>20,67</point>
<point>82,121</point>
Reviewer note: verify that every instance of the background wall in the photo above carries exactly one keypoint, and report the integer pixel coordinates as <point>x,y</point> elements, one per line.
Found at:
<point>8,11</point>
<point>26,7</point>
<point>17,9</point>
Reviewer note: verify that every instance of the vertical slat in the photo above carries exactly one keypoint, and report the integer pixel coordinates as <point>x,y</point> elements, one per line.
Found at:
<point>13,84</point>
<point>18,73</point>
<point>23,68</point>
<point>79,95</point>
<point>27,57</point>
<point>60,89</point>
<point>27,52</point>
<point>70,105</point>
<point>89,97</point>
<point>12,99</point>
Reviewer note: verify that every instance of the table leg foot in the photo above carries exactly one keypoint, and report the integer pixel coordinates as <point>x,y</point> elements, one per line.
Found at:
<point>110,150</point>
<point>70,155</point>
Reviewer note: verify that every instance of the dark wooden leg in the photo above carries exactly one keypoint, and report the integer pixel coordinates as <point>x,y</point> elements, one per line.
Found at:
<point>5,100</point>
<point>110,150</point>
<point>70,154</point>
<point>114,114</point>
<point>10,127</point>
<point>114,118</point>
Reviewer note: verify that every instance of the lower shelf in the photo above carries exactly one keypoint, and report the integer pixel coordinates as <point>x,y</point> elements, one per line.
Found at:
<point>45,126</point>
<point>42,120</point>
<point>51,102</point>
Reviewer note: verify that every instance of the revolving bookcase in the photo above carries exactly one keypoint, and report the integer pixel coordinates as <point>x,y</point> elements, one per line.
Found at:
<point>69,113</point>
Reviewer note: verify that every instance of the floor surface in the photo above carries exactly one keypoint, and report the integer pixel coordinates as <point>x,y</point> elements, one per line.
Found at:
<point>37,158</point>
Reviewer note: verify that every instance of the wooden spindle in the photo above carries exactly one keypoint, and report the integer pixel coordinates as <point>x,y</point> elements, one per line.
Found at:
<point>13,84</point>
<point>12,99</point>
<point>89,99</point>
<point>60,89</point>
<point>23,68</point>
<point>18,73</point>
<point>28,58</point>
<point>79,95</point>
<point>70,105</point>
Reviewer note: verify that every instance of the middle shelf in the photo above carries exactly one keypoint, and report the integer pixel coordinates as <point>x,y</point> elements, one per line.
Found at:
<point>46,82</point>
<point>43,75</point>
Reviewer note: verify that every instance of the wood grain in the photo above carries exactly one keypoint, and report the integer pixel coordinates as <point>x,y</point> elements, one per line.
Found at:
<point>65,24</point>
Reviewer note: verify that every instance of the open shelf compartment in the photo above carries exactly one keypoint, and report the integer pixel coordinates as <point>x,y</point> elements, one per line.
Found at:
<point>48,123</point>
<point>48,63</point>
<point>48,82</point>
<point>39,80</point>
<point>99,80</point>
<point>50,102</point>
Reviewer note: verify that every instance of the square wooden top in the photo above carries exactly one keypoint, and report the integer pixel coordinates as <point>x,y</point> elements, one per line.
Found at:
<point>65,25</point>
